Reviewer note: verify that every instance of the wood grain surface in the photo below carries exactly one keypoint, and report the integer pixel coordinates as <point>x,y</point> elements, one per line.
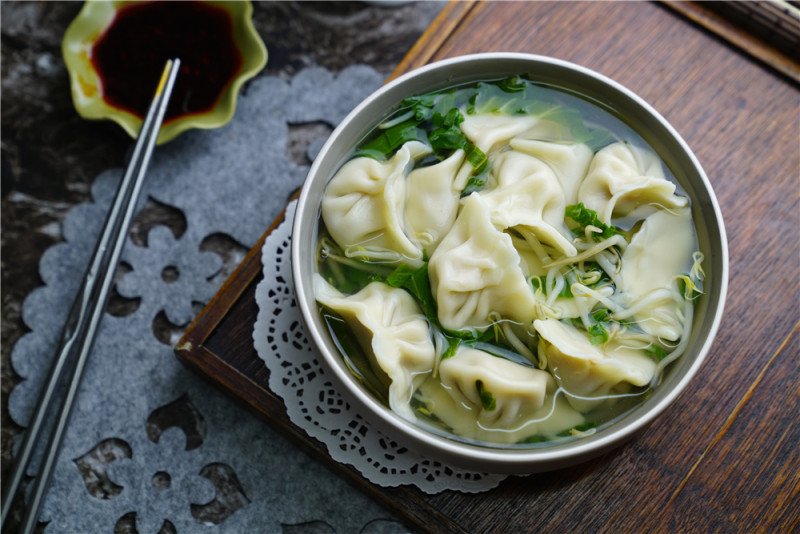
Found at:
<point>768,31</point>
<point>724,456</point>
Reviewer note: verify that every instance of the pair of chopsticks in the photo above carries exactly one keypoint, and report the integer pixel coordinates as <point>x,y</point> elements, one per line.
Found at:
<point>80,329</point>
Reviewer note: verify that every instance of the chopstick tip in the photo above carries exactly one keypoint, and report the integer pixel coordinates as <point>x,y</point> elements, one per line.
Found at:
<point>168,67</point>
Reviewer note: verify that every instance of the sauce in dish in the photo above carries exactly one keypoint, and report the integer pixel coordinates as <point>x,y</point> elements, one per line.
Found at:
<point>131,53</point>
<point>508,264</point>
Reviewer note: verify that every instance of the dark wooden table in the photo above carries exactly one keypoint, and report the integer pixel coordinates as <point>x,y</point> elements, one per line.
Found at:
<point>724,456</point>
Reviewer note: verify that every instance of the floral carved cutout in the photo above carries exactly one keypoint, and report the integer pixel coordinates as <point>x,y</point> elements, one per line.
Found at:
<point>208,198</point>
<point>183,414</point>
<point>229,498</point>
<point>210,493</point>
<point>179,270</point>
<point>93,466</point>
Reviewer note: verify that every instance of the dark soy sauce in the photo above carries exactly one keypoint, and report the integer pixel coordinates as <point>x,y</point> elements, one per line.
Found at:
<point>131,54</point>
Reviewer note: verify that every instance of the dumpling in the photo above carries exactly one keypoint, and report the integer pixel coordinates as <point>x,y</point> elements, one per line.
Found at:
<point>363,206</point>
<point>502,391</point>
<point>393,332</point>
<point>647,282</point>
<point>469,419</point>
<point>475,271</point>
<point>492,131</point>
<point>588,373</point>
<point>569,162</point>
<point>621,178</point>
<point>432,202</point>
<point>526,193</point>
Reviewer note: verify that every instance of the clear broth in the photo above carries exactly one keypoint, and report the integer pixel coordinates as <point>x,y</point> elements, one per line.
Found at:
<point>588,122</point>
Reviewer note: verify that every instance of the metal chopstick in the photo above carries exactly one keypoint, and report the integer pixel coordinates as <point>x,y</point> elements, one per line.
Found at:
<point>84,318</point>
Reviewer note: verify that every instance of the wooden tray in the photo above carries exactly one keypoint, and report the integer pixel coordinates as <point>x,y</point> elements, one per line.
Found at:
<point>724,456</point>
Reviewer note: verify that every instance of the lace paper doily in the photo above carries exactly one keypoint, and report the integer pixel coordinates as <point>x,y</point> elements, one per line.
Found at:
<point>313,404</point>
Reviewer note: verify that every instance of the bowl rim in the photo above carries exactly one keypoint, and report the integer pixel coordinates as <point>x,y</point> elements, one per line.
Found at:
<point>496,459</point>
<point>85,85</point>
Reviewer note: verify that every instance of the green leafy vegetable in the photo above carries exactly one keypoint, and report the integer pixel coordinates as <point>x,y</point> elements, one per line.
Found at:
<point>349,275</point>
<point>487,399</point>
<point>657,352</point>
<point>451,118</point>
<point>436,112</point>
<point>416,282</point>
<point>477,158</point>
<point>447,139</point>
<point>495,348</point>
<point>355,355</point>
<point>536,438</point>
<point>475,183</point>
<point>598,334</point>
<point>441,114</point>
<point>452,347</point>
<point>390,140</point>
<point>515,84</point>
<point>421,106</point>
<point>586,217</point>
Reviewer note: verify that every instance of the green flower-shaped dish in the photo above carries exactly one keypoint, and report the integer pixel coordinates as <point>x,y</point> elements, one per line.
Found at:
<point>86,83</point>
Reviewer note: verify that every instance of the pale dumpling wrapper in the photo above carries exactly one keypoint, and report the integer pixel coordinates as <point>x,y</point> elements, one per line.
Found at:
<point>515,389</point>
<point>492,131</point>
<point>363,206</point>
<point>569,161</point>
<point>589,373</point>
<point>468,420</point>
<point>621,178</point>
<point>432,201</point>
<point>392,330</point>
<point>476,271</point>
<point>525,194</point>
<point>658,253</point>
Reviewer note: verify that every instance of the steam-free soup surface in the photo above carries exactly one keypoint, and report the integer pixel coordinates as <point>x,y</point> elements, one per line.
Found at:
<point>507,263</point>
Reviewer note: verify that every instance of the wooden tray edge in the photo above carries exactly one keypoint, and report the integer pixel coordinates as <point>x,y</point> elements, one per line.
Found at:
<point>712,21</point>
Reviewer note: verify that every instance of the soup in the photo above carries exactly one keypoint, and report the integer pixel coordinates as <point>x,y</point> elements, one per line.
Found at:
<point>507,263</point>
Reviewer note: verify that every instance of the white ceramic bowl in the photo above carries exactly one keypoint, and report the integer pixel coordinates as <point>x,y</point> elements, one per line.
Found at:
<point>637,114</point>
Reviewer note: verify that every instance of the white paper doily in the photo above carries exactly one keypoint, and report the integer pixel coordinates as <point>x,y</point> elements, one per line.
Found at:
<point>313,404</point>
